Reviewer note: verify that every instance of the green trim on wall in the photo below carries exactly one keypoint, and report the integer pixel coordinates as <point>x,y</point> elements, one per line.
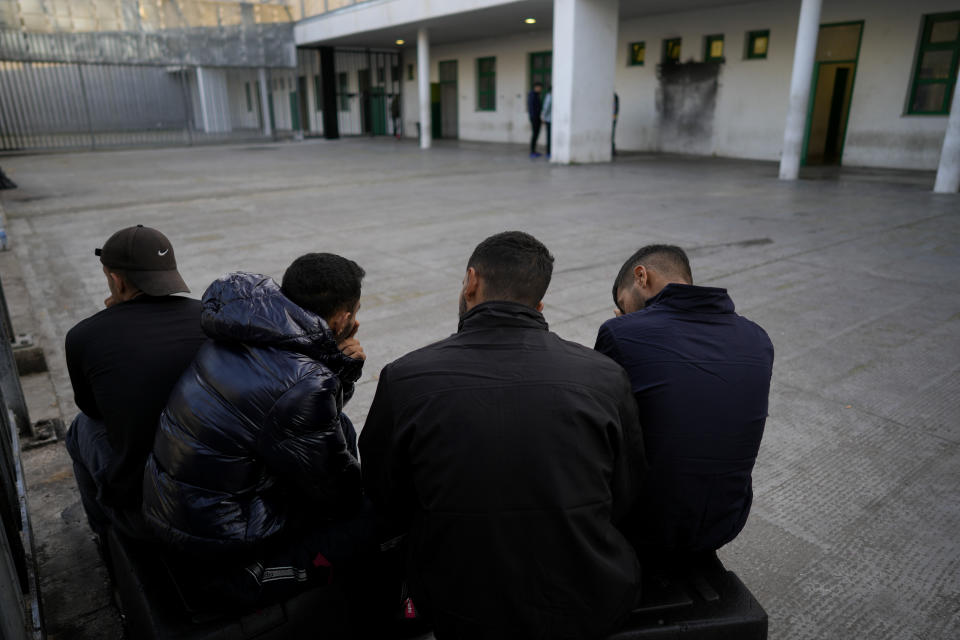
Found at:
<point>925,46</point>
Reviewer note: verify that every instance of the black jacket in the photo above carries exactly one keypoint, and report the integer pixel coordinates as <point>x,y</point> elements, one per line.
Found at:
<point>701,377</point>
<point>252,434</point>
<point>510,454</point>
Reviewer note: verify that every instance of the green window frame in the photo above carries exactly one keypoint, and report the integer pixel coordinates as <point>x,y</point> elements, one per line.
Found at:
<point>410,71</point>
<point>487,84</point>
<point>671,50</point>
<point>317,93</point>
<point>935,71</point>
<point>246,89</point>
<point>713,48</point>
<point>636,54</point>
<point>541,69</point>
<point>342,91</point>
<point>758,43</point>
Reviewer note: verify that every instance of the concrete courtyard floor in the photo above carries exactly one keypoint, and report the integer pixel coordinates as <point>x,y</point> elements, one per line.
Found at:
<point>855,529</point>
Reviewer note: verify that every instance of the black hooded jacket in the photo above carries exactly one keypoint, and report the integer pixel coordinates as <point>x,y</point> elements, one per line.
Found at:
<point>252,434</point>
<point>510,455</point>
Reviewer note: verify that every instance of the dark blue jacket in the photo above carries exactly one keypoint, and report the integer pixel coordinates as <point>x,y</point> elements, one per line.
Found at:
<point>534,106</point>
<point>701,377</point>
<point>252,435</point>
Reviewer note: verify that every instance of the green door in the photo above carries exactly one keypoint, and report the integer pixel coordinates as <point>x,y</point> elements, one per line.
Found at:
<point>294,111</point>
<point>838,50</point>
<point>378,111</point>
<point>436,114</point>
<point>273,122</point>
<point>541,69</point>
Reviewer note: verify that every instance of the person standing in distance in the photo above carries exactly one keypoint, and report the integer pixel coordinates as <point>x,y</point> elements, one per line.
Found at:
<point>534,108</point>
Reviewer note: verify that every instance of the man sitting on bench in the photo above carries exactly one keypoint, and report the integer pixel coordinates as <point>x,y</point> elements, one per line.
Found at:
<point>254,474</point>
<point>123,362</point>
<point>701,376</point>
<point>510,456</point>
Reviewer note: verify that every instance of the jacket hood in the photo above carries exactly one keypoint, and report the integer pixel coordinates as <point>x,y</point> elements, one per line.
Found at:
<point>250,308</point>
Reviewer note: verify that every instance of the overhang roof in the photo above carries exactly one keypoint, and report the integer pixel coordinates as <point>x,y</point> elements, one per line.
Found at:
<point>380,23</point>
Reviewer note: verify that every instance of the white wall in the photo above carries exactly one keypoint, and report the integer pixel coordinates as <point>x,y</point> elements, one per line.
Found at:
<point>751,101</point>
<point>240,117</point>
<point>880,133</point>
<point>509,122</point>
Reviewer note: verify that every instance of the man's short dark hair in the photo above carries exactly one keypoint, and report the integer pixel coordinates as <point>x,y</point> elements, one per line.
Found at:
<point>514,266</point>
<point>323,283</point>
<point>668,259</point>
<point>538,84</point>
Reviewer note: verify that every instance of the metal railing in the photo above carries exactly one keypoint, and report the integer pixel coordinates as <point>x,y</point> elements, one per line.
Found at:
<point>19,590</point>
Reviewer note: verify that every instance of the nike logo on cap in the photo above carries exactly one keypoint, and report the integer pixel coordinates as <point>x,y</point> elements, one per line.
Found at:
<point>163,253</point>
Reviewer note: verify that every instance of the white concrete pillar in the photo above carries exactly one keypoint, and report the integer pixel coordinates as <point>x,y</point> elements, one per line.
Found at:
<point>803,57</point>
<point>948,174</point>
<point>204,91</point>
<point>264,98</point>
<point>423,84</point>
<point>584,63</point>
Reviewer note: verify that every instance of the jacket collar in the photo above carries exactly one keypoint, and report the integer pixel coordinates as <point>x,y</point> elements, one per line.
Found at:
<point>688,297</point>
<point>502,314</point>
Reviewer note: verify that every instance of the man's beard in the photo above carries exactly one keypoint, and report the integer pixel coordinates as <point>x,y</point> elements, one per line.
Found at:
<point>344,333</point>
<point>463,306</point>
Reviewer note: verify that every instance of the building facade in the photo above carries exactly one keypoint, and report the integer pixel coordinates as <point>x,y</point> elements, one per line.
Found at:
<point>708,77</point>
<point>855,82</point>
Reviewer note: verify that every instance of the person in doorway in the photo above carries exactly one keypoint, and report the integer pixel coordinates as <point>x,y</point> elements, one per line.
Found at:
<point>123,362</point>
<point>395,115</point>
<point>254,474</point>
<point>547,116</point>
<point>613,132</point>
<point>510,456</point>
<point>534,108</point>
<point>701,378</point>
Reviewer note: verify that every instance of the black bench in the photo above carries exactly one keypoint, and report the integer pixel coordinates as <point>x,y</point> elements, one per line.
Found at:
<point>154,608</point>
<point>705,602</point>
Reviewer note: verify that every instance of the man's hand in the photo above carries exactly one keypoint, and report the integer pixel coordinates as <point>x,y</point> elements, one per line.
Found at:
<point>350,346</point>
<point>352,349</point>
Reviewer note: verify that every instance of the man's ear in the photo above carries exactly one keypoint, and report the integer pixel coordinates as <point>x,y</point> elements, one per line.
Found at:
<point>119,282</point>
<point>471,284</point>
<point>640,276</point>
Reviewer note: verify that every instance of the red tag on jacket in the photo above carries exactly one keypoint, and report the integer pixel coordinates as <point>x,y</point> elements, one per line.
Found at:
<point>409,611</point>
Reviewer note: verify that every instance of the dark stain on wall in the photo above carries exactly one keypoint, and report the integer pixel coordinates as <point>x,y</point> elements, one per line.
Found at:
<point>686,102</point>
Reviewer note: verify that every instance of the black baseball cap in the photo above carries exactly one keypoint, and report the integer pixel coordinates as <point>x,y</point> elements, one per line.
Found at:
<point>146,257</point>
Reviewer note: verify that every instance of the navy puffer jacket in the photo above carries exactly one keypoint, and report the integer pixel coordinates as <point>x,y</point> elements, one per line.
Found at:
<point>252,435</point>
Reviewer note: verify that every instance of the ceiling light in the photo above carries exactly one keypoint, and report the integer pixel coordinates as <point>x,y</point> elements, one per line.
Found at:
<point>400,42</point>
<point>531,20</point>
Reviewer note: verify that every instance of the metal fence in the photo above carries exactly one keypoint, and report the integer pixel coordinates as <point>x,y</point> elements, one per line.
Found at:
<point>53,105</point>
<point>19,594</point>
<point>367,83</point>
